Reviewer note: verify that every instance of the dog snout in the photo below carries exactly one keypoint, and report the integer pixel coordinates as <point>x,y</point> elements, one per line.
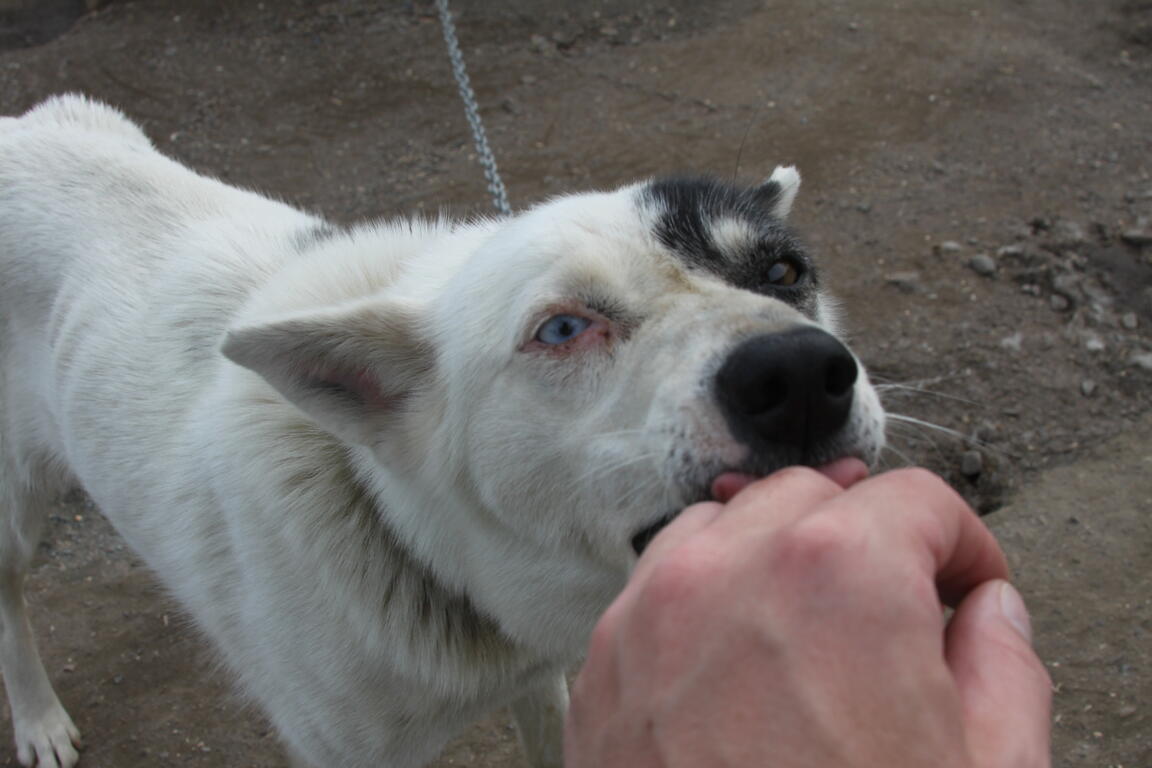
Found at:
<point>787,393</point>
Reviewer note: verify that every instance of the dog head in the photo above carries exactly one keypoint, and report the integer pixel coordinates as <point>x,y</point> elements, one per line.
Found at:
<point>590,366</point>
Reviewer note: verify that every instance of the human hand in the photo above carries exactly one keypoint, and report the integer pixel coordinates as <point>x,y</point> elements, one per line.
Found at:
<point>800,624</point>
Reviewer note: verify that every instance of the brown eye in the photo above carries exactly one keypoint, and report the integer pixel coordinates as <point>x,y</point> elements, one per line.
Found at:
<point>783,273</point>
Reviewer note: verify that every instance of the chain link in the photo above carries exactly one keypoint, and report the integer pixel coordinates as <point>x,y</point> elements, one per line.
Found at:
<point>472,111</point>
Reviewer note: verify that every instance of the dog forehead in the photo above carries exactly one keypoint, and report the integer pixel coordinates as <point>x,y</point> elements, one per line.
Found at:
<point>709,225</point>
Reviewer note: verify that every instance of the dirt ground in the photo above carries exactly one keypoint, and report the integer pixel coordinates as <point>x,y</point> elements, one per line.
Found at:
<point>978,186</point>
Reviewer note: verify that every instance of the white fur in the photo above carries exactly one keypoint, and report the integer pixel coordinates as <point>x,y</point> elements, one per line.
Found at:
<point>789,180</point>
<point>398,511</point>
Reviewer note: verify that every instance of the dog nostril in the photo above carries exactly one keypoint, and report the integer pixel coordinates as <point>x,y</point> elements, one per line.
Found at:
<point>764,395</point>
<point>841,375</point>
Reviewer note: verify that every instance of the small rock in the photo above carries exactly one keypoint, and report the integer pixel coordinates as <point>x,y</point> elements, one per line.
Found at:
<point>1030,288</point>
<point>1129,321</point>
<point>1138,237</point>
<point>1069,233</point>
<point>542,44</point>
<point>1142,360</point>
<point>983,264</point>
<point>511,107</point>
<point>950,247</point>
<point>864,207</point>
<point>1126,711</point>
<point>971,463</point>
<point>527,79</point>
<point>1088,387</point>
<point>566,36</point>
<point>987,432</point>
<point>1013,342</point>
<point>116,680</point>
<point>1067,285</point>
<point>1014,251</point>
<point>1094,343</point>
<point>908,282</point>
<point>1058,302</point>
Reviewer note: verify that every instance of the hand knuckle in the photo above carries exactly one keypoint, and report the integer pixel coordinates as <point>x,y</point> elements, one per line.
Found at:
<point>816,542</point>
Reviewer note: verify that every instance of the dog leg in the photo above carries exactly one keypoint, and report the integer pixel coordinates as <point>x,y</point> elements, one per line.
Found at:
<point>45,734</point>
<point>539,716</point>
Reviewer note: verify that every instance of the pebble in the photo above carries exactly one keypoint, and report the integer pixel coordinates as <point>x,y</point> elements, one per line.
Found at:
<point>1142,360</point>
<point>1140,237</point>
<point>971,463</point>
<point>950,247</point>
<point>987,432</point>
<point>1012,342</point>
<point>1014,251</point>
<point>1066,285</point>
<point>1088,387</point>
<point>541,44</point>
<point>1058,302</point>
<point>982,264</point>
<point>1129,321</point>
<point>908,282</point>
<point>1094,343</point>
<point>1069,233</point>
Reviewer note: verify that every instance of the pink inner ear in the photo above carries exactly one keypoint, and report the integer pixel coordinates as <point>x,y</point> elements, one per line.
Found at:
<point>360,382</point>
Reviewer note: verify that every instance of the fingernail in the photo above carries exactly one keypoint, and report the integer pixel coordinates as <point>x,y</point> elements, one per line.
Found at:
<point>1012,606</point>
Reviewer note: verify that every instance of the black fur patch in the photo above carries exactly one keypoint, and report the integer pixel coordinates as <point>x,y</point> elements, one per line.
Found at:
<point>689,206</point>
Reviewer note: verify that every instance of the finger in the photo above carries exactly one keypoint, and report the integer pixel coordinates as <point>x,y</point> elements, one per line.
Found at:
<point>1004,688</point>
<point>775,501</point>
<point>686,525</point>
<point>956,547</point>
<point>844,472</point>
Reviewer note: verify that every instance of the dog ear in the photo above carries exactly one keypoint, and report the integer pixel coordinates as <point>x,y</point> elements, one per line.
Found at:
<point>350,368</point>
<point>779,191</point>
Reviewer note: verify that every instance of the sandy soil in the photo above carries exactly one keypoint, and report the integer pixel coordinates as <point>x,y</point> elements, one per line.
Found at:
<point>977,185</point>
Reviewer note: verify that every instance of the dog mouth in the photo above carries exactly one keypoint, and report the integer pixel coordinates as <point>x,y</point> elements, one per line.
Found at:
<point>721,489</point>
<point>845,472</point>
<point>644,536</point>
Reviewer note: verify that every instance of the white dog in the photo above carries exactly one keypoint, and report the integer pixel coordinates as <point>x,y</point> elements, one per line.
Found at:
<point>394,472</point>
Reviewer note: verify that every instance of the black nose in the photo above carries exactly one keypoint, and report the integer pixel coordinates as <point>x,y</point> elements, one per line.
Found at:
<point>787,392</point>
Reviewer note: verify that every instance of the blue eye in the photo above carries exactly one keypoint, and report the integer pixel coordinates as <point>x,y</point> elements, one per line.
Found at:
<point>562,328</point>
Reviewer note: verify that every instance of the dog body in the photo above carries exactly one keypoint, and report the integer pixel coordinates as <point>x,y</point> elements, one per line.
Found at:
<point>394,472</point>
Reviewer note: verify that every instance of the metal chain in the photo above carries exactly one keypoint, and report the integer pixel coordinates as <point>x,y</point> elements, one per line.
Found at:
<point>472,111</point>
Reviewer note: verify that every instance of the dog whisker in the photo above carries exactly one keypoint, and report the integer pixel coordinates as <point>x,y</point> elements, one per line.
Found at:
<point>610,467</point>
<point>899,417</point>
<point>901,389</point>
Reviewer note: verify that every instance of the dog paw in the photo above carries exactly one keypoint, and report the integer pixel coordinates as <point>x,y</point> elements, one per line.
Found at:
<point>50,741</point>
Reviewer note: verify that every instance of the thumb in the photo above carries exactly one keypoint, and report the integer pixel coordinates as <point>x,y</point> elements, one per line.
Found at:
<point>1004,689</point>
